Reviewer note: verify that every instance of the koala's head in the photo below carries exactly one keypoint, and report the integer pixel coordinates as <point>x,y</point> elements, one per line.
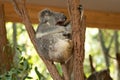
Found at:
<point>51,17</point>
<point>101,75</point>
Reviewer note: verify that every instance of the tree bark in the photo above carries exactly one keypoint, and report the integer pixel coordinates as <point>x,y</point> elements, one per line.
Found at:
<point>6,55</point>
<point>78,37</point>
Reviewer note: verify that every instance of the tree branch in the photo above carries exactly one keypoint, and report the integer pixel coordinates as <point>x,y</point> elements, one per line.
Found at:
<point>116,41</point>
<point>105,50</point>
<point>28,25</point>
<point>109,46</point>
<point>102,41</point>
<point>65,72</point>
<point>91,64</point>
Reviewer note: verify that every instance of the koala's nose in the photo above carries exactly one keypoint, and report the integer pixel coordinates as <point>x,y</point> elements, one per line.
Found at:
<point>65,17</point>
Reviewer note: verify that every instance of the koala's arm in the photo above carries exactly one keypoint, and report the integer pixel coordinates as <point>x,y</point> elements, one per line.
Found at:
<point>49,30</point>
<point>68,29</point>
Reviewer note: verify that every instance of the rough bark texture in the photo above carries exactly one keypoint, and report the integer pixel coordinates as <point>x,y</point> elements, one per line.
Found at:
<point>6,55</point>
<point>78,37</point>
<point>22,12</point>
<point>65,72</point>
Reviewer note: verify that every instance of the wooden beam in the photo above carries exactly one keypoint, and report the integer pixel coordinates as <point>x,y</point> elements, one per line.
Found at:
<point>101,19</point>
<point>94,19</point>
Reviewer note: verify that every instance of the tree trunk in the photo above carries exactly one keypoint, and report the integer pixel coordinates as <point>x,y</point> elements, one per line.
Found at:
<point>78,37</point>
<point>6,56</point>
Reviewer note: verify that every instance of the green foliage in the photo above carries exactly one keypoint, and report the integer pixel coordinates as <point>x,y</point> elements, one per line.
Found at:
<point>37,71</point>
<point>58,66</point>
<point>26,49</point>
<point>19,71</point>
<point>40,76</point>
<point>93,47</point>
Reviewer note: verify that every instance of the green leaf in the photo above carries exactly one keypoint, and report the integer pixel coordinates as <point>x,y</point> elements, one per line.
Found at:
<point>40,76</point>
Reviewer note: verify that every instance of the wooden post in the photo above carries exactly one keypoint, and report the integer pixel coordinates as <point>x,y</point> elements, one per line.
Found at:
<point>6,54</point>
<point>78,37</point>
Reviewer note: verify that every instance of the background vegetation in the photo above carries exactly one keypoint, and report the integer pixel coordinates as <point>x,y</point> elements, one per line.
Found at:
<point>27,64</point>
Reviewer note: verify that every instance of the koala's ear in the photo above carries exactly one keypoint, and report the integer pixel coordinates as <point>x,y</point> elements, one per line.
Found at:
<point>43,13</point>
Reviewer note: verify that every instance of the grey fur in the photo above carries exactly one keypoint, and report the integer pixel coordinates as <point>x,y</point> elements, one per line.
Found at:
<point>53,45</point>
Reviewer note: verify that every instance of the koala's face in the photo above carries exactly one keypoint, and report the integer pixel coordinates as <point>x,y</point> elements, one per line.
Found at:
<point>60,18</point>
<point>52,17</point>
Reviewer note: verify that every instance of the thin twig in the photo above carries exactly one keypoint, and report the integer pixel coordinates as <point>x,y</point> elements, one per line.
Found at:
<point>112,38</point>
<point>91,64</point>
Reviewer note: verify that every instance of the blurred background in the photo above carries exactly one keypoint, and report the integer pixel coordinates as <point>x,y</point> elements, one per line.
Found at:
<point>101,44</point>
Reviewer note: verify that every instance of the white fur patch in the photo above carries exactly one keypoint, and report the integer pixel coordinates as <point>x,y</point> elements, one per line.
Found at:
<point>59,48</point>
<point>40,34</point>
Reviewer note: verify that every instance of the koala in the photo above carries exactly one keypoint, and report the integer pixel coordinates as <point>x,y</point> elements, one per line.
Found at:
<point>101,75</point>
<point>49,22</point>
<point>52,43</point>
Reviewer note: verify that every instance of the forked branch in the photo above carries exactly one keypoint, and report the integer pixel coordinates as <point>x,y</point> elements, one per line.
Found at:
<point>22,12</point>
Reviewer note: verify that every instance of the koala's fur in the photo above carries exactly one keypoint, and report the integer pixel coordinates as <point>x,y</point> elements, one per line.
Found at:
<point>101,75</point>
<point>53,45</point>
